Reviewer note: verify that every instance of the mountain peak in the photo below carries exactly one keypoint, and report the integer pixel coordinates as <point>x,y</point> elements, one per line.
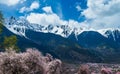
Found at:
<point>19,26</point>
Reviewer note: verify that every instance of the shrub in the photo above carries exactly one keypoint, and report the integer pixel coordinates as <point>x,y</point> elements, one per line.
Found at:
<point>29,62</point>
<point>84,69</point>
<point>54,67</point>
<point>106,71</point>
<point>118,73</point>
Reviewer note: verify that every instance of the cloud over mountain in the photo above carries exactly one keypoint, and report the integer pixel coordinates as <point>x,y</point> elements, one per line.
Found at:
<point>47,9</point>
<point>34,5</point>
<point>103,13</point>
<point>97,14</point>
<point>49,17</point>
<point>45,18</point>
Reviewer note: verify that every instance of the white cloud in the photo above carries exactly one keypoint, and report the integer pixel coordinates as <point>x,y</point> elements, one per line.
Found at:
<point>78,8</point>
<point>23,9</point>
<point>44,19</point>
<point>47,9</point>
<point>22,1</point>
<point>103,13</point>
<point>34,5</point>
<point>50,18</point>
<point>9,2</point>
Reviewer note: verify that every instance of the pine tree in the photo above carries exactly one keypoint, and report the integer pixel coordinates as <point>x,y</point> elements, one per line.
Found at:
<point>1,28</point>
<point>1,22</point>
<point>10,43</point>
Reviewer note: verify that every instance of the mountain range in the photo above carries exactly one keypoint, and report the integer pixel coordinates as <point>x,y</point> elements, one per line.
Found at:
<point>67,42</point>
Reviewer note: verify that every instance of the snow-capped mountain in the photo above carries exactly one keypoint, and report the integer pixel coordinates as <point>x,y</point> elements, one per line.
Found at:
<point>62,40</point>
<point>19,26</point>
<point>82,35</point>
<point>111,33</point>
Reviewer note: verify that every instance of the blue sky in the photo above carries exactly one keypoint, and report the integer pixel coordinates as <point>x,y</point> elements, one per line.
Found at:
<point>96,14</point>
<point>63,8</point>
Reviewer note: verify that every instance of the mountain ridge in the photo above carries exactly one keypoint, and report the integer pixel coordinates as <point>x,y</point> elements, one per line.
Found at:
<point>108,36</point>
<point>18,26</point>
<point>89,44</point>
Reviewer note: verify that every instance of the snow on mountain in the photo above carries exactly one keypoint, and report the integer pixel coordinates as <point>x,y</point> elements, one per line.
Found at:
<point>14,27</point>
<point>19,26</point>
<point>19,30</point>
<point>110,32</point>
